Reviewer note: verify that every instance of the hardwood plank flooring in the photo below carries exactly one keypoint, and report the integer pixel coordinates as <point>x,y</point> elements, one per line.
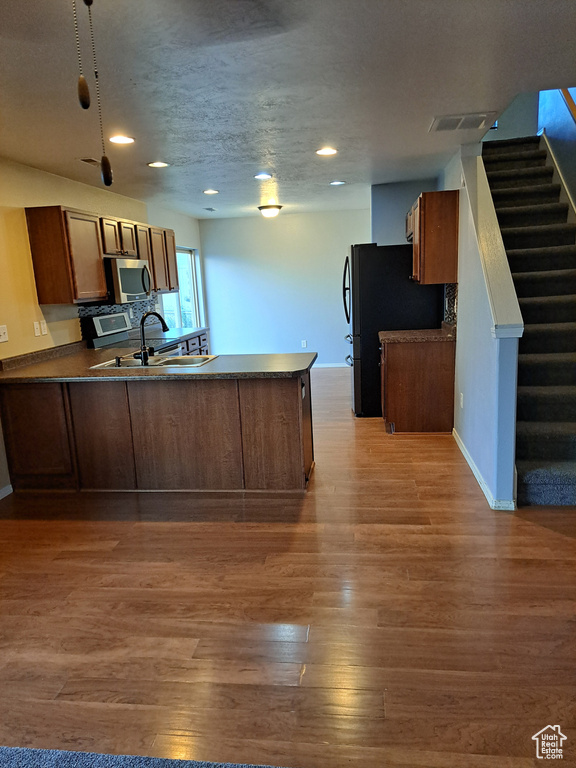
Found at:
<point>387,618</point>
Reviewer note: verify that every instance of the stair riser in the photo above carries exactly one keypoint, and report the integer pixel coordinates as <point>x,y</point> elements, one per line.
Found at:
<point>551,374</point>
<point>539,261</point>
<point>542,409</point>
<point>553,447</point>
<point>534,217</point>
<point>503,164</point>
<point>539,239</point>
<point>508,180</point>
<point>511,198</point>
<point>506,146</point>
<point>533,494</point>
<point>540,343</point>
<point>534,285</point>
<point>563,313</point>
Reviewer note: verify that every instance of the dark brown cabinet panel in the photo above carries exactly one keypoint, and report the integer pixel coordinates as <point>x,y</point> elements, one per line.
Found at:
<point>128,239</point>
<point>418,386</point>
<point>432,225</point>
<point>66,249</point>
<point>142,233</point>
<point>159,260</point>
<point>119,238</point>
<point>170,238</point>
<point>35,418</point>
<point>103,435</point>
<point>272,440</point>
<point>186,434</point>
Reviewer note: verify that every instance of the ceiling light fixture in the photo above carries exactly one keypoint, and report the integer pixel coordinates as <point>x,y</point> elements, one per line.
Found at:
<point>337,183</point>
<point>158,164</point>
<point>269,211</point>
<point>121,140</point>
<point>326,151</point>
<point>263,176</point>
<point>211,192</point>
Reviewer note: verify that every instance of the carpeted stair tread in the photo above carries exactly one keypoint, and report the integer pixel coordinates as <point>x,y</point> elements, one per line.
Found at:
<point>549,337</point>
<point>545,258</point>
<point>515,160</point>
<point>547,403</point>
<point>530,215</point>
<point>538,236</point>
<point>512,196</point>
<point>546,282</point>
<point>497,146</point>
<point>548,309</point>
<point>519,177</point>
<point>550,483</point>
<point>548,368</point>
<point>555,440</point>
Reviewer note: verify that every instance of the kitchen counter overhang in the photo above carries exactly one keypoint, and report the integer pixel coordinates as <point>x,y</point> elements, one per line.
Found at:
<point>237,423</point>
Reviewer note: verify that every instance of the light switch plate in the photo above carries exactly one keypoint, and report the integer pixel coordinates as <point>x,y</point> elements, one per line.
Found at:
<point>36,328</point>
<point>3,333</point>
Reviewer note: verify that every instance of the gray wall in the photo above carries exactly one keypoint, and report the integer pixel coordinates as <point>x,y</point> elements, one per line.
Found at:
<point>519,119</point>
<point>560,128</point>
<point>389,206</point>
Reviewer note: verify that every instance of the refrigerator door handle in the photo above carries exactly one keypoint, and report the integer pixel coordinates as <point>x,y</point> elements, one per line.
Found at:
<point>349,361</point>
<point>346,289</point>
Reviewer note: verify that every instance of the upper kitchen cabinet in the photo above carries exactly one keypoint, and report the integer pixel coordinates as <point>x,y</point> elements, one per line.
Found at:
<point>66,248</point>
<point>432,226</point>
<point>119,238</point>
<point>143,242</point>
<point>163,251</point>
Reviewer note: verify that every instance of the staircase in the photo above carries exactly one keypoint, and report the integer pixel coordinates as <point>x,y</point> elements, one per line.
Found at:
<point>539,234</point>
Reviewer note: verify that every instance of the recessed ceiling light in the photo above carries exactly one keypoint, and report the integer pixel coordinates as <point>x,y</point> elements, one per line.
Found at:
<point>211,192</point>
<point>337,183</point>
<point>263,176</point>
<point>158,164</point>
<point>121,140</point>
<point>326,151</point>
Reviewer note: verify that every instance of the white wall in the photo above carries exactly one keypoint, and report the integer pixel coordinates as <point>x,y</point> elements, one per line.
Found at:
<point>271,283</point>
<point>185,227</point>
<point>389,205</point>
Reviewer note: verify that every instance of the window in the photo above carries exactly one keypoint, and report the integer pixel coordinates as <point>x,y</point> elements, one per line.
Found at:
<point>185,308</point>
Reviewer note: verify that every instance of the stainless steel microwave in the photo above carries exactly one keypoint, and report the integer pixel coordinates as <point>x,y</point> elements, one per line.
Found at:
<point>128,279</point>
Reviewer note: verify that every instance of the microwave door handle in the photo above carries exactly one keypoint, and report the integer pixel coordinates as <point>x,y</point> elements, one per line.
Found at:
<point>146,282</point>
<point>346,288</point>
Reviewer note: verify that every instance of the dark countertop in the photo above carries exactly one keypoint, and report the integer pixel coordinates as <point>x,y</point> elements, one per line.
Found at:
<point>424,335</point>
<point>154,332</point>
<point>76,367</point>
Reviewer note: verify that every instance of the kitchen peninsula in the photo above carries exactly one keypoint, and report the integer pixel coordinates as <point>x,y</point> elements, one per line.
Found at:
<point>237,423</point>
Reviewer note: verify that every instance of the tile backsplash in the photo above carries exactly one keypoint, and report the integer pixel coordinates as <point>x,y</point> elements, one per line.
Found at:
<point>450,302</point>
<point>138,309</point>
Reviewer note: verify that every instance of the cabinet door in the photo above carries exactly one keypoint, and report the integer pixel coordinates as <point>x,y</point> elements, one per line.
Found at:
<point>111,243</point>
<point>171,258</point>
<point>159,262</point>
<point>86,256</point>
<point>143,242</point>
<point>128,239</point>
<point>416,246</point>
<point>438,237</point>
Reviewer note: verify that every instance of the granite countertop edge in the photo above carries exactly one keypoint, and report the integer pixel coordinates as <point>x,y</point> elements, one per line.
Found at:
<point>422,335</point>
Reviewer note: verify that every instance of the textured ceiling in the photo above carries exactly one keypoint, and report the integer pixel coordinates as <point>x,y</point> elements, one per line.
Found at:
<point>222,89</point>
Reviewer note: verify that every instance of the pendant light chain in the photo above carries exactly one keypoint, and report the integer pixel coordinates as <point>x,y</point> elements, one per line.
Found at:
<point>96,79</point>
<point>77,36</point>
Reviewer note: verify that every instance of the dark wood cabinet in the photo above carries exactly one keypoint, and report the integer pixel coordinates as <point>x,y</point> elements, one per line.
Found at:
<point>418,384</point>
<point>66,249</point>
<point>119,238</point>
<point>432,226</point>
<point>143,242</point>
<point>159,260</point>
<point>172,263</point>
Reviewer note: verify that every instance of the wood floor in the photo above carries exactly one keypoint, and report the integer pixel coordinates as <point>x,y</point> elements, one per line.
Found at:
<point>386,618</point>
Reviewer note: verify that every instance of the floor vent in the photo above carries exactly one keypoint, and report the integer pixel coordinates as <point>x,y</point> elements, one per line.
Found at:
<point>476,121</point>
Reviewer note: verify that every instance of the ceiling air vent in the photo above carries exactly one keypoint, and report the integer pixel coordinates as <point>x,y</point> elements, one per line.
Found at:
<point>477,121</point>
<point>90,161</point>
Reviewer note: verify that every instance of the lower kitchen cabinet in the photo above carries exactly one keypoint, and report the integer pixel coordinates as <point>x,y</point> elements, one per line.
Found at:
<point>417,382</point>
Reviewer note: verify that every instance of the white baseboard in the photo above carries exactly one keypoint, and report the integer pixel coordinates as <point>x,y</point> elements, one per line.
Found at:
<point>6,491</point>
<point>504,505</point>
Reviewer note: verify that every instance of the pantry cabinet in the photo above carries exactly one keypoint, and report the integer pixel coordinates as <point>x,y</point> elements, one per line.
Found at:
<point>432,227</point>
<point>66,249</point>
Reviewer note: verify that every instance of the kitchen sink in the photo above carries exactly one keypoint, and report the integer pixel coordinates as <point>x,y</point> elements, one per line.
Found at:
<point>183,361</point>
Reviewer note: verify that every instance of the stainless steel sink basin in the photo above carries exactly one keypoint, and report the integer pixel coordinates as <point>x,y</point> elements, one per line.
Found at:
<point>184,361</point>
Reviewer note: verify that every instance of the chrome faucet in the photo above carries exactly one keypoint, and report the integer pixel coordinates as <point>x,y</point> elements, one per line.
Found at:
<point>144,353</point>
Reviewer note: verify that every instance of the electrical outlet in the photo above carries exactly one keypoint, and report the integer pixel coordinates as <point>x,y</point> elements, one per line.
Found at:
<point>304,343</point>
<point>461,400</point>
<point>36,329</point>
<point>43,327</point>
<point>3,333</point>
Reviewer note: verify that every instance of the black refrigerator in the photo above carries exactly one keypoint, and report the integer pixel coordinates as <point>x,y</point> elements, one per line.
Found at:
<point>379,296</point>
